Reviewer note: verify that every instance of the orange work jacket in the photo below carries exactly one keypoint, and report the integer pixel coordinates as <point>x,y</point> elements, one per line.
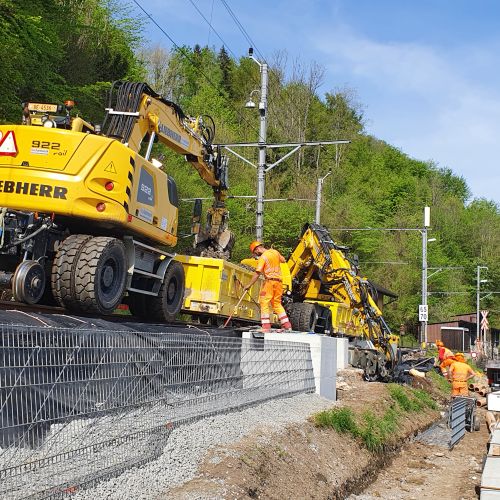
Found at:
<point>269,264</point>
<point>446,363</point>
<point>460,371</point>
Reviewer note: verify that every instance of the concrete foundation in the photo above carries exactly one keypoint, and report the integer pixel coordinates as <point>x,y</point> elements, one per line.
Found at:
<point>342,353</point>
<point>328,355</point>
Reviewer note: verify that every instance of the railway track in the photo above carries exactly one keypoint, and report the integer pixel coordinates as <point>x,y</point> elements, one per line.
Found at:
<point>41,312</point>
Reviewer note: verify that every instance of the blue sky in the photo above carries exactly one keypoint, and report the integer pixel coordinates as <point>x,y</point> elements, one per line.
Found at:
<point>426,72</point>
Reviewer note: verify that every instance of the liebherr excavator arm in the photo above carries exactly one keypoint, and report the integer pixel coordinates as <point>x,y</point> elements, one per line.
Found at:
<point>322,274</point>
<point>135,113</point>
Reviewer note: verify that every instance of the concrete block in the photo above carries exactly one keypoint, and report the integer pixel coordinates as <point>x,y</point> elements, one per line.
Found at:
<point>342,353</point>
<point>324,355</point>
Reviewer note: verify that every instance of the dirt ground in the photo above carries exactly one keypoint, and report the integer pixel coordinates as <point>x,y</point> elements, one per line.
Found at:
<point>304,461</point>
<point>424,470</point>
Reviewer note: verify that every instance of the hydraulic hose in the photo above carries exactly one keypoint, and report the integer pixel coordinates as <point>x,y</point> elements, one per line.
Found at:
<point>43,227</point>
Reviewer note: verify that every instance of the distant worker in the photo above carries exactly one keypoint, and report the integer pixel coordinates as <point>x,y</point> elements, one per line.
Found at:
<point>443,352</point>
<point>445,366</point>
<point>268,265</point>
<point>459,375</point>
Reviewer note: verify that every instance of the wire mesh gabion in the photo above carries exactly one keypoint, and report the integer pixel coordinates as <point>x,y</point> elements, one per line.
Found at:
<point>78,406</point>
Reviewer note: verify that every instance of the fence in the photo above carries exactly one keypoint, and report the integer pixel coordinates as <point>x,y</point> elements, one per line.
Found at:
<point>77,406</point>
<point>457,419</point>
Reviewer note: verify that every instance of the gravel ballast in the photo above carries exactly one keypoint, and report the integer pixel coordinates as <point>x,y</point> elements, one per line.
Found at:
<point>188,444</point>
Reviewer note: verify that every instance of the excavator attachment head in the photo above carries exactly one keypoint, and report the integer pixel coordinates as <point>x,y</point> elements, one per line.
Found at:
<point>218,246</point>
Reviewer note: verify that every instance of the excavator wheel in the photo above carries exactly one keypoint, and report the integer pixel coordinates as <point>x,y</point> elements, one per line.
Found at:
<point>64,267</point>
<point>303,316</point>
<point>28,283</point>
<point>168,303</point>
<point>100,275</point>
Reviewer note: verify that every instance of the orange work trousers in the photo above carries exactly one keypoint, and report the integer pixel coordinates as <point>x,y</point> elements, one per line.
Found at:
<point>459,389</point>
<point>270,295</point>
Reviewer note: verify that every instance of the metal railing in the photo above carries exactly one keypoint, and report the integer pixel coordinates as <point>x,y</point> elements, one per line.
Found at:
<point>77,406</point>
<point>457,419</point>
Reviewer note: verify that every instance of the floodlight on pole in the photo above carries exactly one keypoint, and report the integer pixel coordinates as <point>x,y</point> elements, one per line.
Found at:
<point>250,104</point>
<point>423,310</point>
<point>261,168</point>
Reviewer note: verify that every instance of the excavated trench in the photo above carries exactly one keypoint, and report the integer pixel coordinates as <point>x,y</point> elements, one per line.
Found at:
<point>305,461</point>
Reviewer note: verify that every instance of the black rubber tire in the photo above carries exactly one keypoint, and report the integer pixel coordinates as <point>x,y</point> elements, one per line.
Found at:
<point>64,267</point>
<point>48,297</point>
<point>303,316</point>
<point>100,276</point>
<point>168,303</point>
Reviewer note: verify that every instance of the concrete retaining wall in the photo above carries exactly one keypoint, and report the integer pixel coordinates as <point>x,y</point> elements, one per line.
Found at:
<point>328,354</point>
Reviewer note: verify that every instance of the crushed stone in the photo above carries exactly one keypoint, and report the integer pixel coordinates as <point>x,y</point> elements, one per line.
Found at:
<point>188,444</point>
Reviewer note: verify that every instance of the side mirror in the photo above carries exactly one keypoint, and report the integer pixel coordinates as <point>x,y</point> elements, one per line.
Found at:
<point>196,217</point>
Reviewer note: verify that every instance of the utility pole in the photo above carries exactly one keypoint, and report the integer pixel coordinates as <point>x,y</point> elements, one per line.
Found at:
<point>261,167</point>
<point>423,309</point>
<point>318,197</point>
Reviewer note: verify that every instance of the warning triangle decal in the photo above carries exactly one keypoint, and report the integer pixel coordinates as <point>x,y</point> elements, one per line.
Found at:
<point>110,168</point>
<point>8,146</point>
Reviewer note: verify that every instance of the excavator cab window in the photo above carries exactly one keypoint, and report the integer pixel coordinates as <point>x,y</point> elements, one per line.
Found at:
<point>196,217</point>
<point>172,192</point>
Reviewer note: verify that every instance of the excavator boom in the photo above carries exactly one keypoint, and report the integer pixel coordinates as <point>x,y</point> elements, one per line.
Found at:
<point>135,113</point>
<point>87,215</point>
<point>323,275</point>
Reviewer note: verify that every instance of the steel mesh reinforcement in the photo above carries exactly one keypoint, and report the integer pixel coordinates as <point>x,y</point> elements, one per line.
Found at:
<point>77,406</point>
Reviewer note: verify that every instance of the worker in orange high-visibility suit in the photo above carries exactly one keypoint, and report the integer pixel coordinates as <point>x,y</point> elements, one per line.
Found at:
<point>443,351</point>
<point>459,375</point>
<point>445,366</point>
<point>443,354</point>
<point>268,265</point>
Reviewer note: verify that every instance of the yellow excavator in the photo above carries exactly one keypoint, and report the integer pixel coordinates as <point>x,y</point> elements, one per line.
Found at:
<point>327,295</point>
<point>88,215</point>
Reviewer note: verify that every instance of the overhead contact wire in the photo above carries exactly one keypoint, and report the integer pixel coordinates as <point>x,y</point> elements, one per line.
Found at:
<point>213,29</point>
<point>189,58</point>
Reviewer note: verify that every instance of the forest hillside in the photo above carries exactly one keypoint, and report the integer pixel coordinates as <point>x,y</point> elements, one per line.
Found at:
<point>74,49</point>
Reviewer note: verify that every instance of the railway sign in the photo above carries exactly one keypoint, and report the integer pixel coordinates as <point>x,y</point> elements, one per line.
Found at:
<point>484,320</point>
<point>423,312</point>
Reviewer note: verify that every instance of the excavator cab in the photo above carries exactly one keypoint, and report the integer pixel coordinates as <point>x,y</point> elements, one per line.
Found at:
<point>47,115</point>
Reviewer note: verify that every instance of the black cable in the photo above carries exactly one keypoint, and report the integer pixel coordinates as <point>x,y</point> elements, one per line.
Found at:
<point>288,102</point>
<point>224,44</point>
<point>189,58</point>
<point>242,29</point>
